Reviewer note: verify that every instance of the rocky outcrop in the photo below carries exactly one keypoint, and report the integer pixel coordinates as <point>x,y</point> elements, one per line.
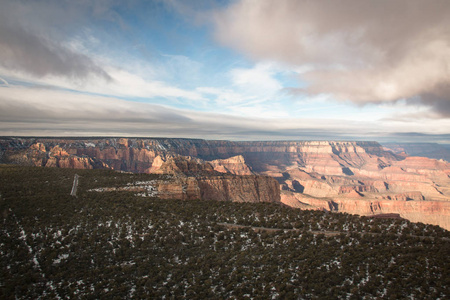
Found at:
<point>234,165</point>
<point>182,189</point>
<point>248,188</point>
<point>303,201</point>
<point>431,212</point>
<point>184,165</point>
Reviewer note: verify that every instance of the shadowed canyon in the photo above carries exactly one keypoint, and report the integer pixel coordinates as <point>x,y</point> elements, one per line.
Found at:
<point>354,177</point>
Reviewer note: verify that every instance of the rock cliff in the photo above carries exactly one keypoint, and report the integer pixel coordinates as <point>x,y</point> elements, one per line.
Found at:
<point>249,188</point>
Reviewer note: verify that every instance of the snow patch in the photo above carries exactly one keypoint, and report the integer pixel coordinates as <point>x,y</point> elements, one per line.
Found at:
<point>60,258</point>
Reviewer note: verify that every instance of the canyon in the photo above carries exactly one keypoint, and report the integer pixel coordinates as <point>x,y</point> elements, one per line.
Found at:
<point>353,177</point>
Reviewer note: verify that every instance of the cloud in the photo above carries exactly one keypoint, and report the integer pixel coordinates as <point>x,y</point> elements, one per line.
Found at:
<point>223,97</point>
<point>36,111</point>
<point>251,91</point>
<point>258,81</point>
<point>32,111</point>
<point>357,50</point>
<point>439,98</point>
<point>23,51</point>
<point>3,81</point>
<point>28,45</point>
<point>126,84</point>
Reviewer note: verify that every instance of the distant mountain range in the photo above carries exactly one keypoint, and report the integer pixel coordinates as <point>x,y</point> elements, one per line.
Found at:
<point>430,150</point>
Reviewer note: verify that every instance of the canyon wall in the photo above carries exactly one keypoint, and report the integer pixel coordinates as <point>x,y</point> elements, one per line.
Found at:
<point>137,155</point>
<point>428,212</point>
<point>355,177</point>
<point>249,188</point>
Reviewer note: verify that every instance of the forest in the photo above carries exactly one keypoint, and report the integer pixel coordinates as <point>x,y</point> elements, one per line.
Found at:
<point>120,245</point>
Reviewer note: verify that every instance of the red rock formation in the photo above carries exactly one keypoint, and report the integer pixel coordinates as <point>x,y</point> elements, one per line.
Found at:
<point>358,189</point>
<point>38,147</point>
<point>303,201</point>
<point>156,165</point>
<point>70,162</point>
<point>57,151</point>
<point>407,196</point>
<point>183,165</point>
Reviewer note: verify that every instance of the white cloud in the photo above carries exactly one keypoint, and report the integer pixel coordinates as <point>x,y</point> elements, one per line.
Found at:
<point>122,83</point>
<point>258,81</point>
<point>224,98</point>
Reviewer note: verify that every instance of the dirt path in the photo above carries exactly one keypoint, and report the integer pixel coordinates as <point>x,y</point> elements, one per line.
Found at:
<point>74,186</point>
<point>259,229</point>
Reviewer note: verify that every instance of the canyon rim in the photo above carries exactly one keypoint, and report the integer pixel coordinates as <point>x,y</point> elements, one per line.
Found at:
<point>353,177</point>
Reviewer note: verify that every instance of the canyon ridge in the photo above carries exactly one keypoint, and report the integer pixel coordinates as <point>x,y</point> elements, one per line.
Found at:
<point>353,177</point>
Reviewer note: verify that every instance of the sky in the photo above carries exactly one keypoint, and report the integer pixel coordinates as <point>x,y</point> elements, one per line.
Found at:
<point>229,70</point>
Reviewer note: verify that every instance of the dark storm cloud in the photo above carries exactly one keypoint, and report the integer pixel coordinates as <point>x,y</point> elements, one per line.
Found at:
<point>439,98</point>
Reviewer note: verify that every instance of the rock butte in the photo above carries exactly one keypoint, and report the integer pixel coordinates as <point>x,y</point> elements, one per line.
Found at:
<point>354,177</point>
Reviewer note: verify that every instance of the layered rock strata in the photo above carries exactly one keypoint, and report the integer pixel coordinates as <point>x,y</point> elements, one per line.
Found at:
<point>137,155</point>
